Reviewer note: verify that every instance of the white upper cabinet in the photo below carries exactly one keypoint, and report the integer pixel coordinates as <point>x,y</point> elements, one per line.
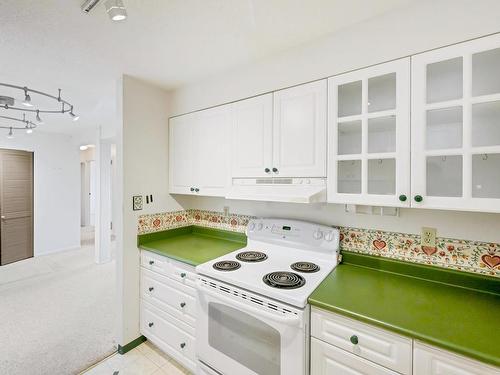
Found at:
<point>299,131</point>
<point>369,136</point>
<point>181,153</point>
<point>456,127</point>
<point>252,133</point>
<point>199,157</point>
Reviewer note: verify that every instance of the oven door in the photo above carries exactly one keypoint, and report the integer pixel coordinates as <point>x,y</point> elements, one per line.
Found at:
<point>240,333</point>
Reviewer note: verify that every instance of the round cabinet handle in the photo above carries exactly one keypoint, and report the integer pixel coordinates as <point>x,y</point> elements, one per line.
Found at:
<point>267,170</point>
<point>275,170</point>
<point>418,198</point>
<point>183,345</point>
<point>183,275</point>
<point>183,304</point>
<point>354,339</point>
<point>192,189</point>
<point>196,190</point>
<point>150,324</point>
<point>151,288</point>
<point>151,262</point>
<point>402,198</point>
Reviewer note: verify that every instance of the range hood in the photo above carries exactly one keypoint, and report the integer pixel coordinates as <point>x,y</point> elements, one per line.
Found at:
<point>278,189</point>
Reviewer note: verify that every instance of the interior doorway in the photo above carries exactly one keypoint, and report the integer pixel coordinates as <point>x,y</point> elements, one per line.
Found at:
<point>16,205</point>
<point>88,185</point>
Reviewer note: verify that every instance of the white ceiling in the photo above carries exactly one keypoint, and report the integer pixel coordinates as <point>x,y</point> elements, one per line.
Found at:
<point>47,44</point>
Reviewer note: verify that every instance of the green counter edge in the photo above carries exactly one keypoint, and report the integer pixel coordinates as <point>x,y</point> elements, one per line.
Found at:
<point>461,279</point>
<point>142,239</point>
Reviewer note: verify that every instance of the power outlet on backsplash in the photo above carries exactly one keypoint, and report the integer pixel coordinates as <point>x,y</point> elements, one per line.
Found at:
<point>428,238</point>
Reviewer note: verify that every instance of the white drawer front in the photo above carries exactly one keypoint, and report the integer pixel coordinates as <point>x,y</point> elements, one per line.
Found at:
<point>170,296</point>
<point>431,361</point>
<point>327,359</point>
<point>169,335</point>
<point>377,345</point>
<point>178,271</point>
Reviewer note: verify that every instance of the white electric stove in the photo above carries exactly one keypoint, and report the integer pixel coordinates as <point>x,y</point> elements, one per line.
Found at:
<point>253,315</point>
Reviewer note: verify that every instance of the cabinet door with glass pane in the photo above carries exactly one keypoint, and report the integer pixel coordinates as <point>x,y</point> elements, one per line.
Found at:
<point>369,136</point>
<point>456,127</point>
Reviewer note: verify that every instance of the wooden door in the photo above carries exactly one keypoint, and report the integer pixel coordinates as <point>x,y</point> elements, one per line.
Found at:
<point>299,131</point>
<point>455,127</point>
<point>252,132</point>
<point>181,154</point>
<point>211,160</point>
<point>16,205</point>
<point>369,136</point>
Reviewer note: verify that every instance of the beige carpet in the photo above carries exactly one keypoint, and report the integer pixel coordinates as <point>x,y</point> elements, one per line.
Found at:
<point>56,313</point>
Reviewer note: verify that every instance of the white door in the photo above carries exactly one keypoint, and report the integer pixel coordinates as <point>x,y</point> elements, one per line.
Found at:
<point>456,127</point>
<point>369,136</point>
<point>181,154</point>
<point>252,131</point>
<point>210,155</point>
<point>299,131</point>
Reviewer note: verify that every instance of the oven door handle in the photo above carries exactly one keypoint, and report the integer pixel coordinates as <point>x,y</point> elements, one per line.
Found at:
<point>288,320</point>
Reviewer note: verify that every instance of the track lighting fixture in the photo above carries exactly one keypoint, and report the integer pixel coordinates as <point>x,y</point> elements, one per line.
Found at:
<point>38,118</point>
<point>116,10</point>
<point>11,134</point>
<point>28,130</point>
<point>27,98</point>
<point>75,117</point>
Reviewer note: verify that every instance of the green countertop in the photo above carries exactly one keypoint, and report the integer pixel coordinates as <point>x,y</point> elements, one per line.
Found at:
<point>192,245</point>
<point>454,310</point>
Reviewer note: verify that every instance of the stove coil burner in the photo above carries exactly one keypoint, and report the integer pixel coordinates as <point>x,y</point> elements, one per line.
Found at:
<point>251,256</point>
<point>226,265</point>
<point>305,267</point>
<point>284,280</point>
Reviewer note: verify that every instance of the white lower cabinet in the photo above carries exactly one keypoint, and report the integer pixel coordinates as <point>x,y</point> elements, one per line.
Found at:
<point>343,346</point>
<point>362,340</point>
<point>431,361</point>
<point>327,359</point>
<point>168,307</point>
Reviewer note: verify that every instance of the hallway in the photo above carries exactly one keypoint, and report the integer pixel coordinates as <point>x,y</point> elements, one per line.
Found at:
<point>57,312</point>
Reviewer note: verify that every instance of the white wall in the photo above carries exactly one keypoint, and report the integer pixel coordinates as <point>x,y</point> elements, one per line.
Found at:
<point>56,189</point>
<point>424,25</point>
<point>142,168</point>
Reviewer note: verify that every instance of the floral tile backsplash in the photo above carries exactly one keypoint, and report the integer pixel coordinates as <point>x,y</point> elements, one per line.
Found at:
<point>471,256</point>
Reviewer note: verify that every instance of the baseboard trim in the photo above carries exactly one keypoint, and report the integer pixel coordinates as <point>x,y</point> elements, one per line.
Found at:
<point>131,345</point>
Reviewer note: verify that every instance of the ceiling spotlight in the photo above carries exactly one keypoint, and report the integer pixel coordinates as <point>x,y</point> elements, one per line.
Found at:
<point>38,118</point>
<point>11,134</point>
<point>116,10</point>
<point>27,98</point>
<point>29,130</point>
<point>75,117</point>
<point>83,147</point>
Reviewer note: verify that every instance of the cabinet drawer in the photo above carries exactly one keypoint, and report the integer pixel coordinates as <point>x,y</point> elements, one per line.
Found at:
<point>377,345</point>
<point>431,361</point>
<point>178,271</point>
<point>327,359</point>
<point>168,334</point>
<point>176,299</point>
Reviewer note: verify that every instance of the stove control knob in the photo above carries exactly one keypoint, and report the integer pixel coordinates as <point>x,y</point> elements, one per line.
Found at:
<point>260,226</point>
<point>328,236</point>
<point>251,227</point>
<point>317,234</point>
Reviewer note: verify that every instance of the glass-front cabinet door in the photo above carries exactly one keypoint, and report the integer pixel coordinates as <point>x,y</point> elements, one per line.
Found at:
<point>456,127</point>
<point>369,136</point>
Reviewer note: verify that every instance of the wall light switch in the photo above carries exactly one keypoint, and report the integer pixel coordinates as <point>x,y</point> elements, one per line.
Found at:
<point>428,237</point>
<point>137,202</point>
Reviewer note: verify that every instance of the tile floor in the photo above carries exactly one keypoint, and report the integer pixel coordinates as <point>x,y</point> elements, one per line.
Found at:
<point>146,359</point>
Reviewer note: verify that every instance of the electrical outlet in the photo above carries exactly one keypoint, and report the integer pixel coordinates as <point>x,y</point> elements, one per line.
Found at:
<point>428,237</point>
<point>226,210</point>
